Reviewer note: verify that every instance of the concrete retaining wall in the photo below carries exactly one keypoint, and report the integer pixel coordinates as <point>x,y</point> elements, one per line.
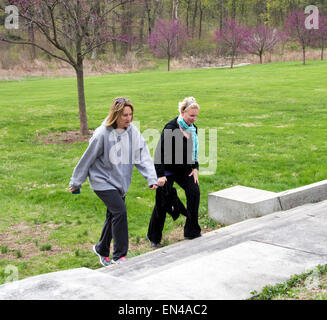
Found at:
<point>239,203</point>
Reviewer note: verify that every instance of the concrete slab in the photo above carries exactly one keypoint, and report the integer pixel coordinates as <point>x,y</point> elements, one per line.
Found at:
<point>239,203</point>
<point>308,235</point>
<point>231,273</point>
<point>78,284</point>
<point>311,193</point>
<point>74,284</point>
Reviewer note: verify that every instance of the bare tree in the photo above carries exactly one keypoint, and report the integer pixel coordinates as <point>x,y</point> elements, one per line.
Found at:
<point>73,29</point>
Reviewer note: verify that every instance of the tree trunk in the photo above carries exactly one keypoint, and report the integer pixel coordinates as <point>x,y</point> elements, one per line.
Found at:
<point>234,9</point>
<point>322,52</point>
<point>200,22</point>
<point>168,55</point>
<point>194,17</point>
<point>130,15</point>
<point>141,31</point>
<point>114,41</point>
<point>187,16</point>
<point>221,14</point>
<point>232,62</point>
<point>94,54</point>
<point>303,52</point>
<point>175,10</point>
<point>124,28</point>
<point>81,99</point>
<point>260,54</point>
<point>32,39</point>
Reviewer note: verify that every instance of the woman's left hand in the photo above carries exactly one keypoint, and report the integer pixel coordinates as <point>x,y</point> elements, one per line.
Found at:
<point>194,173</point>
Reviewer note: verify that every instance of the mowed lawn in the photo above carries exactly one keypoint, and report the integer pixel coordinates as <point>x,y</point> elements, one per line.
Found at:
<point>271,124</point>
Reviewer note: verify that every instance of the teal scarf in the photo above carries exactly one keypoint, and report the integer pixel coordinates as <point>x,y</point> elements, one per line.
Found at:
<point>192,131</point>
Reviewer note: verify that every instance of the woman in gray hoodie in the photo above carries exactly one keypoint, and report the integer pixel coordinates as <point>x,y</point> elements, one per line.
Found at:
<point>115,147</point>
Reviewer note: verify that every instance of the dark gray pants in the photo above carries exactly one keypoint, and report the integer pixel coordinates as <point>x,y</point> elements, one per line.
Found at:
<point>115,225</point>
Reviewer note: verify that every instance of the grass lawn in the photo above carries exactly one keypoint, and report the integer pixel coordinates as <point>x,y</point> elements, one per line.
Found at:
<point>271,122</point>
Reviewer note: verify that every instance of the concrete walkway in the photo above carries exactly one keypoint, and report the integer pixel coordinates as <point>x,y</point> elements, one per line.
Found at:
<point>227,263</point>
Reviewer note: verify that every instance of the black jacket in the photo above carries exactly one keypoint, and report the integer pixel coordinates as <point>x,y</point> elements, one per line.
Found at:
<point>167,201</point>
<point>174,151</point>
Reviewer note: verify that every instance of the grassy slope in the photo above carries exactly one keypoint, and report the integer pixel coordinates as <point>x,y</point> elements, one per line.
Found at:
<point>271,123</point>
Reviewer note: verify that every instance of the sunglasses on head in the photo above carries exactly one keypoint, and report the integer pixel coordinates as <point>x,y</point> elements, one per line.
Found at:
<point>120,100</point>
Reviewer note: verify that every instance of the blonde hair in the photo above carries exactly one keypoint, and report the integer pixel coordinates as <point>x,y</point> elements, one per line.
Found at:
<point>188,102</point>
<point>117,109</point>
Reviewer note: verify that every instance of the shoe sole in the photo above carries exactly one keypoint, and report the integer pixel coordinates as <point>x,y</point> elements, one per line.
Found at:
<point>191,238</point>
<point>156,245</point>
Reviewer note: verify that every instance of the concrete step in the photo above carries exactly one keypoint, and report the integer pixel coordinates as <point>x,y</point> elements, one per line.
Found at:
<point>281,228</point>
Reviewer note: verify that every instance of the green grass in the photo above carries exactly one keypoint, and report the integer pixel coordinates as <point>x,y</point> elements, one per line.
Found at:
<point>310,285</point>
<point>271,121</point>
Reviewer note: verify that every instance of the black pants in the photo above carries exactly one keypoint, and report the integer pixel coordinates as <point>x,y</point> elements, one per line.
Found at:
<point>115,225</point>
<point>192,192</point>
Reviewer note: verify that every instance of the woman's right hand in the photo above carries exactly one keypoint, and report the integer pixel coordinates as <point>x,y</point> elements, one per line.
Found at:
<point>162,181</point>
<point>72,189</point>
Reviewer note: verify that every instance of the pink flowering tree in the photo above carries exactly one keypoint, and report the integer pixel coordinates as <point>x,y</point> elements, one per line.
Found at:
<point>233,37</point>
<point>167,39</point>
<point>296,30</point>
<point>320,35</point>
<point>262,39</point>
<point>70,30</point>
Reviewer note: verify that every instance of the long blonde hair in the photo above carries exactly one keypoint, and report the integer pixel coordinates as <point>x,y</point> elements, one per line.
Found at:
<point>117,109</point>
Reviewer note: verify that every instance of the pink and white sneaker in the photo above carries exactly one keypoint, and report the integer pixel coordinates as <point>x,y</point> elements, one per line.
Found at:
<point>120,260</point>
<point>105,261</point>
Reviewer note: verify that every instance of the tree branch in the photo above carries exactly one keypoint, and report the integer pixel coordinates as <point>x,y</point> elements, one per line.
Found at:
<point>36,45</point>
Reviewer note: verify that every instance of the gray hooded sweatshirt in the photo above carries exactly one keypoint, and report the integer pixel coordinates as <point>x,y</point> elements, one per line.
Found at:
<point>109,159</point>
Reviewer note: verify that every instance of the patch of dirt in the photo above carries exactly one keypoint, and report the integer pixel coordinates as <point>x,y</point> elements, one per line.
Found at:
<point>68,137</point>
<point>175,236</point>
<point>23,242</point>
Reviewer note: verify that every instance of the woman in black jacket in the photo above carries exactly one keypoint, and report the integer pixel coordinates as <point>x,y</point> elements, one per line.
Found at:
<point>176,160</point>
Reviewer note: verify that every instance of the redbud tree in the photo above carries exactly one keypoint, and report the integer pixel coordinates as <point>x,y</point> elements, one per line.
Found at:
<point>167,39</point>
<point>233,38</point>
<point>296,30</point>
<point>262,39</point>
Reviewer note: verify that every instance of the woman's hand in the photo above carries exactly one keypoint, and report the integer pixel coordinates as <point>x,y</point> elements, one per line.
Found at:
<point>162,181</point>
<point>194,173</point>
<point>72,189</point>
<point>153,187</point>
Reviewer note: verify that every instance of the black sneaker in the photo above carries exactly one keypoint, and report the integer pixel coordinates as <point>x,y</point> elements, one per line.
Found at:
<point>153,244</point>
<point>105,261</point>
